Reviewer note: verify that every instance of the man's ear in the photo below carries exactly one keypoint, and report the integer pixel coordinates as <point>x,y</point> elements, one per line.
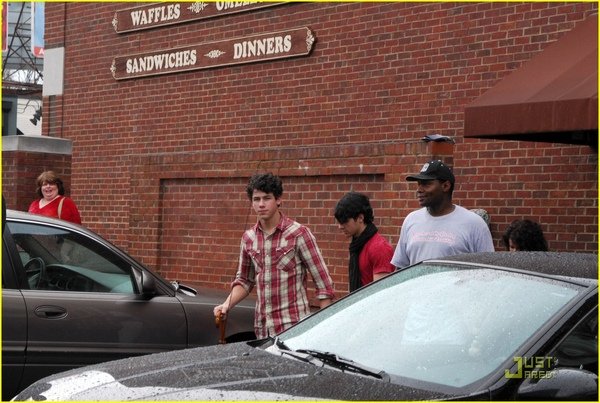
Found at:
<point>278,201</point>
<point>446,185</point>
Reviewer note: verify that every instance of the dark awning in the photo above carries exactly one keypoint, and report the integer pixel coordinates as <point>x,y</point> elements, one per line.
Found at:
<point>552,98</point>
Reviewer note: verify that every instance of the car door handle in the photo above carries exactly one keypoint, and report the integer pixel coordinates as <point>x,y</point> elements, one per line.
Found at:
<point>50,312</point>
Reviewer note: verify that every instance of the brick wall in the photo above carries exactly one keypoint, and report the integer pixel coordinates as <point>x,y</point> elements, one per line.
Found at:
<point>194,215</point>
<point>160,163</point>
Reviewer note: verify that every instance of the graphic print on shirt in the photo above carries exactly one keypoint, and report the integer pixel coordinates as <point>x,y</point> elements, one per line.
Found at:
<point>444,237</point>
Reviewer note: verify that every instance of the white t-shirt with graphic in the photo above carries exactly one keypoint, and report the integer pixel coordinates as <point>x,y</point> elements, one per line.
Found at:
<point>424,236</point>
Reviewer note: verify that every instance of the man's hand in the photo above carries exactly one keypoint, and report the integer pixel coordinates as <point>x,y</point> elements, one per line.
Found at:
<point>324,302</point>
<point>237,294</point>
<point>220,311</point>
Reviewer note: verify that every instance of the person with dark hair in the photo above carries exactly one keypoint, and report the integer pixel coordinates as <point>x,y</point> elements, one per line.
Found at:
<point>440,228</point>
<point>276,255</point>
<point>52,202</point>
<point>370,253</point>
<point>524,235</point>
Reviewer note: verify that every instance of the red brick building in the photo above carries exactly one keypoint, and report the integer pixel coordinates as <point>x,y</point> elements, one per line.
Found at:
<point>160,162</point>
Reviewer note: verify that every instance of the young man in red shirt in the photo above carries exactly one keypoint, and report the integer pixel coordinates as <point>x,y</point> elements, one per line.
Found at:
<point>370,253</point>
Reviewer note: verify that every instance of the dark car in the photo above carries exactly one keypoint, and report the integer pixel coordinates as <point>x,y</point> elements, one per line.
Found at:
<point>491,326</point>
<point>70,298</point>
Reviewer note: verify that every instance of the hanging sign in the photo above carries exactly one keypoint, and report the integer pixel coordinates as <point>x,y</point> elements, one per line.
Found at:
<point>277,45</point>
<point>161,14</point>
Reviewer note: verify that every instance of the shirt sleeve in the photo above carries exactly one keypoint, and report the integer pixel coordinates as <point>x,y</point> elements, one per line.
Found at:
<point>246,273</point>
<point>32,207</point>
<point>313,260</point>
<point>70,212</point>
<point>400,258</point>
<point>483,238</point>
<point>381,257</point>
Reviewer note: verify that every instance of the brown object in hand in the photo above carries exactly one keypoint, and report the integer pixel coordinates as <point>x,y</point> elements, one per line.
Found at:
<point>221,321</point>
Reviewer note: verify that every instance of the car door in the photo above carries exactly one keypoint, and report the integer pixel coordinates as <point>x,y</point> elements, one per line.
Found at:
<point>14,329</point>
<point>83,304</point>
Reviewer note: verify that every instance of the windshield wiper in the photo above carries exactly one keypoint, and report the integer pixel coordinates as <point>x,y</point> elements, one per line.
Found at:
<point>330,359</point>
<point>345,364</point>
<point>284,349</point>
<point>280,344</point>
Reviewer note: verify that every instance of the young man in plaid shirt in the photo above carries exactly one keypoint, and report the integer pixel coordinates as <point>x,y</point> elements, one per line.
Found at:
<point>276,255</point>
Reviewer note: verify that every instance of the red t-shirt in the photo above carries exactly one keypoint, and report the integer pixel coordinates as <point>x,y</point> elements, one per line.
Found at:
<point>68,211</point>
<point>375,258</point>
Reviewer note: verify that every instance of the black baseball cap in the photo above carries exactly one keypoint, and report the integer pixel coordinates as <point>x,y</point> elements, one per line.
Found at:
<point>433,170</point>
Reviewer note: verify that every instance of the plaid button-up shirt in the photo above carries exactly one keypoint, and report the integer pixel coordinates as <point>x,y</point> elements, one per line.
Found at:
<point>277,264</point>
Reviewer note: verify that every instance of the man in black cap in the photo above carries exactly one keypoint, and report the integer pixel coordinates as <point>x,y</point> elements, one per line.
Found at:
<point>440,228</point>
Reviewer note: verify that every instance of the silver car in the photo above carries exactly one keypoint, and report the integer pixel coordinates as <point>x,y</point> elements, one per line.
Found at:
<point>70,298</point>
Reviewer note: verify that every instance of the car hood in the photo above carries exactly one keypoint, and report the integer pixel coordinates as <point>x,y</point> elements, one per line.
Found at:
<point>227,372</point>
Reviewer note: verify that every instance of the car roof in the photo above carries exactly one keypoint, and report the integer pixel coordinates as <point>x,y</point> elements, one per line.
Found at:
<point>21,215</point>
<point>570,264</point>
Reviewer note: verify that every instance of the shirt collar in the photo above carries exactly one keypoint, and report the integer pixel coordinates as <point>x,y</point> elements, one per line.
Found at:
<point>282,225</point>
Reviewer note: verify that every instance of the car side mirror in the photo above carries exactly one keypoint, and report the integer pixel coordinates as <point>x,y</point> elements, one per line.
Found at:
<point>145,283</point>
<point>561,384</point>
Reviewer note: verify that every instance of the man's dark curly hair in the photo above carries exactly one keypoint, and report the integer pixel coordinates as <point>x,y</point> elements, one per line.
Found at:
<point>527,235</point>
<point>351,206</point>
<point>267,183</point>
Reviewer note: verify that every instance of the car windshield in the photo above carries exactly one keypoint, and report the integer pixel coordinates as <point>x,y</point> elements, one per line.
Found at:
<point>442,324</point>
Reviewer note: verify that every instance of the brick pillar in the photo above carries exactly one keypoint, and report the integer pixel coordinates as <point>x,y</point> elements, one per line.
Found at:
<point>24,158</point>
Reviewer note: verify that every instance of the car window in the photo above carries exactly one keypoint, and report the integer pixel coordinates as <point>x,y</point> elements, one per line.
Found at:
<point>580,348</point>
<point>57,259</point>
<point>442,325</point>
